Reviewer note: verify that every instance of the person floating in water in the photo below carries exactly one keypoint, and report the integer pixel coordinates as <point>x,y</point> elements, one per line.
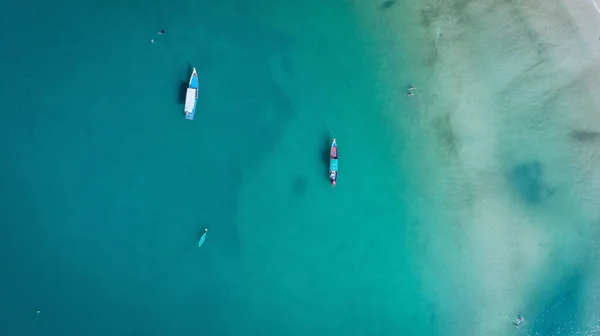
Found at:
<point>518,320</point>
<point>410,94</point>
<point>412,87</point>
<point>161,32</point>
<point>152,40</point>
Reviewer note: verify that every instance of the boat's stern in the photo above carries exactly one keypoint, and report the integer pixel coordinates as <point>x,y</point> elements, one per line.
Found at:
<point>333,177</point>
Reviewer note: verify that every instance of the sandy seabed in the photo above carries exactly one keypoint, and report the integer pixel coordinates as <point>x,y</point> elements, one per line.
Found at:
<point>504,130</point>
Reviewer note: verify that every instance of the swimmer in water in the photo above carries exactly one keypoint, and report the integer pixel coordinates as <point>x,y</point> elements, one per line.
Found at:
<point>518,320</point>
<point>410,94</point>
<point>161,32</point>
<point>152,40</point>
<point>412,87</point>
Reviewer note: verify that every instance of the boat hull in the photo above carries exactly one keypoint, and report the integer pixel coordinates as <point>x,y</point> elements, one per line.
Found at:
<point>202,239</point>
<point>333,163</point>
<point>191,98</point>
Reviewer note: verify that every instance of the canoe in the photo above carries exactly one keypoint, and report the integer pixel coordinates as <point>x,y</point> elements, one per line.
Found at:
<point>191,97</point>
<point>203,238</point>
<point>333,163</point>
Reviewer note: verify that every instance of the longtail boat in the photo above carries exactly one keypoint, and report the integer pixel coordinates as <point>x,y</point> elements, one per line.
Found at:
<point>333,163</point>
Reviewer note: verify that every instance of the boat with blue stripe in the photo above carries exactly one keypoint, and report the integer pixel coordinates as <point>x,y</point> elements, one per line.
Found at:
<point>191,97</point>
<point>202,238</point>
<point>333,163</point>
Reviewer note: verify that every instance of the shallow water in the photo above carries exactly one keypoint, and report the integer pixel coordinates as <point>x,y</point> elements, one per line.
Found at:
<point>502,123</point>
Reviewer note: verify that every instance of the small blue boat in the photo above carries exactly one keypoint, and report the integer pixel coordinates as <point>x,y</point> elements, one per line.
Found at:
<point>191,97</point>
<point>333,163</point>
<point>203,238</point>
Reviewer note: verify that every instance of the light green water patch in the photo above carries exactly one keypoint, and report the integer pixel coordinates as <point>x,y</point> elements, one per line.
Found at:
<point>495,156</point>
<point>426,150</point>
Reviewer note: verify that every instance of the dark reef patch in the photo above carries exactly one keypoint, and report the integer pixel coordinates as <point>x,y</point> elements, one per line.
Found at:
<point>431,58</point>
<point>528,179</point>
<point>388,4</point>
<point>443,130</point>
<point>582,135</point>
<point>299,186</point>
<point>428,15</point>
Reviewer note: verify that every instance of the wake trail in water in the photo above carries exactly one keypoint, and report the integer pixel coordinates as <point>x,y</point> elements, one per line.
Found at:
<point>329,126</point>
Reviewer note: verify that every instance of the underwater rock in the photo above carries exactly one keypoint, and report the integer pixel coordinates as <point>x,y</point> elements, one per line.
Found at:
<point>528,178</point>
<point>388,4</point>
<point>582,135</point>
<point>299,186</point>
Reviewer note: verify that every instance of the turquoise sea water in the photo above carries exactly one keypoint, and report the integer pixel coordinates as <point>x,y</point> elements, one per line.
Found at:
<point>450,216</point>
<point>107,188</point>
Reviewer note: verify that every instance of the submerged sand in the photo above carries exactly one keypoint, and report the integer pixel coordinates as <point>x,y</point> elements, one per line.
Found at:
<point>505,126</point>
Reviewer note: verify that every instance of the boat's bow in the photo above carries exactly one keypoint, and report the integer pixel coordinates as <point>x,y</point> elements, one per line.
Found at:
<point>194,78</point>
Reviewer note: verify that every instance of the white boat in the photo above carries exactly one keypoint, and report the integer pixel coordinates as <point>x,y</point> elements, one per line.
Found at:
<point>191,97</point>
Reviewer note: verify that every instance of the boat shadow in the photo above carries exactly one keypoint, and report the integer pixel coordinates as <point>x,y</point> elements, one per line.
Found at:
<point>325,154</point>
<point>183,85</point>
